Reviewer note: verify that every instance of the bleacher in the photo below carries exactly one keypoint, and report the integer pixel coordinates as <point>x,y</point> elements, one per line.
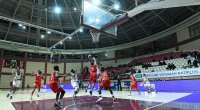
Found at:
<point>153,61</point>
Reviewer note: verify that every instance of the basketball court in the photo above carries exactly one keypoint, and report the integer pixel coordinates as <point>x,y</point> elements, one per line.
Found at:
<point>99,21</point>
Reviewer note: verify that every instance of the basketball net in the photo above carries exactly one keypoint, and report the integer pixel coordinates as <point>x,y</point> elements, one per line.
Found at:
<point>95,36</point>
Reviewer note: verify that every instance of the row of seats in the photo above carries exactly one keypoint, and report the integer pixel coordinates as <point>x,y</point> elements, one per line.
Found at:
<point>177,61</point>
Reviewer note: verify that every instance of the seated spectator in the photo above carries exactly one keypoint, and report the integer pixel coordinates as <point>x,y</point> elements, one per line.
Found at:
<point>189,57</point>
<point>139,71</point>
<point>195,63</point>
<point>164,63</point>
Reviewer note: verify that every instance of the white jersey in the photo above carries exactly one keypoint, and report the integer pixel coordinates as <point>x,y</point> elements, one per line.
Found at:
<point>98,70</point>
<point>17,77</point>
<point>146,81</point>
<point>74,77</point>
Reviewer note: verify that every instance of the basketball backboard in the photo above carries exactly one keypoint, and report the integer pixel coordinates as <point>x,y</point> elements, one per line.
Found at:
<point>94,18</point>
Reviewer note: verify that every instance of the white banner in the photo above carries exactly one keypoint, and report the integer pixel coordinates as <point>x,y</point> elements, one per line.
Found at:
<point>173,73</point>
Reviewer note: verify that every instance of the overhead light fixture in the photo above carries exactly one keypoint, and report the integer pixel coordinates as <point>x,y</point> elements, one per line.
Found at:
<point>116,6</point>
<point>42,36</point>
<point>48,32</point>
<point>24,27</point>
<point>70,38</point>
<point>61,42</point>
<point>96,2</point>
<point>81,30</point>
<point>106,54</point>
<point>75,8</point>
<point>57,10</point>
<point>20,25</point>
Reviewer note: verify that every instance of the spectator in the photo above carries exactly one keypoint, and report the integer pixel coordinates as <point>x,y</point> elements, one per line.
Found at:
<point>119,86</point>
<point>189,57</point>
<point>195,63</point>
<point>139,71</point>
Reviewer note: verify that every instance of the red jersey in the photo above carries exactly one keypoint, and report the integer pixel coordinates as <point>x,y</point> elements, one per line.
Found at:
<point>38,77</point>
<point>53,77</point>
<point>93,69</point>
<point>104,75</point>
<point>133,80</point>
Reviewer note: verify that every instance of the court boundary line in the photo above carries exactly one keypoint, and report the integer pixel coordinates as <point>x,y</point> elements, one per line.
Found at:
<point>157,105</point>
<point>12,105</point>
<point>165,103</point>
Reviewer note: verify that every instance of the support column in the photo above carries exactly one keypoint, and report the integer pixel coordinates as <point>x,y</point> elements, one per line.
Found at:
<point>2,56</point>
<point>81,63</point>
<point>45,69</point>
<point>65,62</point>
<point>24,77</point>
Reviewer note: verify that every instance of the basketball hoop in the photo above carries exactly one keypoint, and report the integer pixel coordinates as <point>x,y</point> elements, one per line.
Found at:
<point>95,36</point>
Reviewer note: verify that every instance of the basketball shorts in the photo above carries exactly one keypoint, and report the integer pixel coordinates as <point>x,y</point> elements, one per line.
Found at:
<point>16,83</point>
<point>105,83</point>
<point>55,87</point>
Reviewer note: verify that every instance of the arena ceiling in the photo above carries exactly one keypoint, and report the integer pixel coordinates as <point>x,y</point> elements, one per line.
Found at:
<point>41,16</point>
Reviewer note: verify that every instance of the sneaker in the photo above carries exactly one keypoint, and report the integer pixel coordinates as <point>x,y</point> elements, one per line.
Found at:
<point>100,98</point>
<point>90,92</point>
<point>8,95</point>
<point>86,90</point>
<point>31,98</point>
<point>57,104</point>
<point>114,99</point>
<point>60,104</point>
<point>38,95</point>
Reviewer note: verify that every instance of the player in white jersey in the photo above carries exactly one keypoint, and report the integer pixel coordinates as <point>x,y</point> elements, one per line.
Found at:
<point>74,83</point>
<point>18,76</point>
<point>147,85</point>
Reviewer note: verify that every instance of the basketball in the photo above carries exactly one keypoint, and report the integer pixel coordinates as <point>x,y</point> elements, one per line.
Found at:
<point>99,54</point>
<point>89,56</point>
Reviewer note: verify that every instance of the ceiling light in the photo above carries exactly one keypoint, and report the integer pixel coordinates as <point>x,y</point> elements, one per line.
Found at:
<point>106,54</point>
<point>75,8</point>
<point>20,25</point>
<point>24,27</point>
<point>70,38</point>
<point>61,42</point>
<point>116,6</point>
<point>48,32</point>
<point>57,10</point>
<point>42,36</point>
<point>81,30</point>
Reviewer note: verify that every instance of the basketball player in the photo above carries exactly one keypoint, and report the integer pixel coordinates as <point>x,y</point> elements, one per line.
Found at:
<point>37,83</point>
<point>133,84</point>
<point>18,76</point>
<point>55,87</point>
<point>105,83</point>
<point>74,83</point>
<point>93,74</point>
<point>148,87</point>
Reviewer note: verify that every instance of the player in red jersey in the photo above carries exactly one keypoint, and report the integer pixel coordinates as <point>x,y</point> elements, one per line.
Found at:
<point>93,74</point>
<point>104,83</point>
<point>37,83</point>
<point>55,86</point>
<point>133,84</point>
